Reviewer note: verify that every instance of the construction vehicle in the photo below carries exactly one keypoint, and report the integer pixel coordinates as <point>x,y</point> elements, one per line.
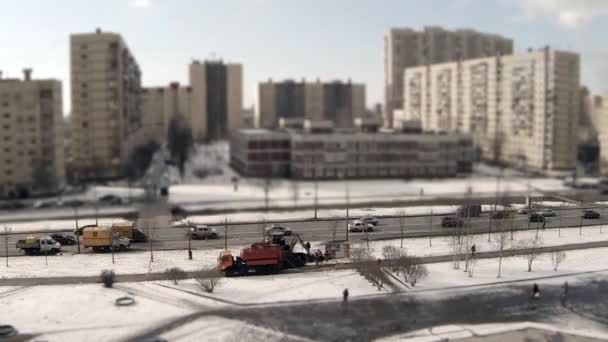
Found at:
<point>264,257</point>
<point>103,238</point>
<point>38,245</point>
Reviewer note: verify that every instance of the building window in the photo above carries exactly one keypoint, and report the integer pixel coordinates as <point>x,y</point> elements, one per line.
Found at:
<point>6,127</point>
<point>85,124</point>
<point>8,172</point>
<point>83,56</point>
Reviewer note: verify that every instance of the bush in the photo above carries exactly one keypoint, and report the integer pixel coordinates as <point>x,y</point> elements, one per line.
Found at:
<point>209,280</point>
<point>175,274</point>
<point>107,278</point>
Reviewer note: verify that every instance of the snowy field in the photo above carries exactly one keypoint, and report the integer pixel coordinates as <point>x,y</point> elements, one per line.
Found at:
<point>69,264</point>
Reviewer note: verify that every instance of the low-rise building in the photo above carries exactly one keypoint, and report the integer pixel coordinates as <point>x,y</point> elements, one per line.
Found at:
<point>31,135</point>
<point>320,152</point>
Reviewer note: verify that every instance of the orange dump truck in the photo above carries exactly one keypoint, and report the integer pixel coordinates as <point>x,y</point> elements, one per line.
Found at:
<point>260,258</point>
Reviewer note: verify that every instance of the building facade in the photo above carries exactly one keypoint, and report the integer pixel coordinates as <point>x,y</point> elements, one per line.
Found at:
<point>600,111</point>
<point>339,102</point>
<point>217,99</point>
<point>159,106</point>
<point>106,103</point>
<point>260,153</point>
<point>406,47</point>
<point>302,154</point>
<point>519,109</point>
<point>31,132</point>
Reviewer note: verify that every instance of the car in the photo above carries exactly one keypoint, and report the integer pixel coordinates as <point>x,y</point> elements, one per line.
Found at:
<point>537,217</point>
<point>178,211</point>
<point>360,226</point>
<point>369,219</point>
<point>111,199</point>
<point>590,214</point>
<point>11,205</point>
<point>73,203</point>
<point>44,204</point>
<point>64,239</point>
<point>138,235</point>
<point>500,215</point>
<point>278,229</point>
<point>452,221</point>
<point>548,213</point>
<point>200,232</point>
<point>526,211</point>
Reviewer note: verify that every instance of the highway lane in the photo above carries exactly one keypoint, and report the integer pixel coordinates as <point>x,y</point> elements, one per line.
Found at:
<point>243,234</point>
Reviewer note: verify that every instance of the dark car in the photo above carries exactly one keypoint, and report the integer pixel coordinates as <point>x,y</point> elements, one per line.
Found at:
<point>591,214</point>
<point>73,203</point>
<point>500,215</point>
<point>64,239</point>
<point>138,236</point>
<point>178,212</point>
<point>452,221</point>
<point>111,200</point>
<point>537,217</point>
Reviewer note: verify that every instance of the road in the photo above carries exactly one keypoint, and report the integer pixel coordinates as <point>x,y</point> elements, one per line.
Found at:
<point>247,233</point>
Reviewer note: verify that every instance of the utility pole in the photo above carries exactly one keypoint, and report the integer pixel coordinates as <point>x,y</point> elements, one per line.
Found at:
<point>6,230</point>
<point>226,234</point>
<point>347,192</point>
<point>431,228</point>
<point>150,232</point>
<point>77,235</point>
<point>96,205</point>
<point>316,199</point>
<point>189,232</point>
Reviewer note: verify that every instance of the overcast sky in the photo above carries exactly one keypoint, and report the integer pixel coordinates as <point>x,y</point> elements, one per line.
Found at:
<point>330,39</point>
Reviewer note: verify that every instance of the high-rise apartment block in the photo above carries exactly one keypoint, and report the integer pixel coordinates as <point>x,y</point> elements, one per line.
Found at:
<point>519,109</point>
<point>406,47</point>
<point>31,136</point>
<point>339,102</point>
<point>600,111</point>
<point>106,103</point>
<point>211,106</point>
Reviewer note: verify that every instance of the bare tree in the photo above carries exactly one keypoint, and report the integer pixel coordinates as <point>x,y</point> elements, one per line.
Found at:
<point>401,215</point>
<point>531,249</point>
<point>369,268</point>
<point>333,227</point>
<point>175,274</point>
<point>557,257</point>
<point>500,242</point>
<point>415,272</point>
<point>209,279</point>
<point>391,256</point>
<point>295,192</point>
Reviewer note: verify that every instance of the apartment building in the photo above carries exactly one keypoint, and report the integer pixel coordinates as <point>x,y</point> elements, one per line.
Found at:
<point>520,109</point>
<point>160,105</point>
<point>339,102</point>
<point>217,99</point>
<point>211,105</point>
<point>600,108</point>
<point>106,103</point>
<point>325,153</point>
<point>31,135</point>
<point>407,47</point>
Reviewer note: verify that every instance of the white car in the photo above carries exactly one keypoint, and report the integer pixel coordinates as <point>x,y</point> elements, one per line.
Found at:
<point>548,213</point>
<point>201,231</point>
<point>360,226</point>
<point>369,219</point>
<point>276,229</point>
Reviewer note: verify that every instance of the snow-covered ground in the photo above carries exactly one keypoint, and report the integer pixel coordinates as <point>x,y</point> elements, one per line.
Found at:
<point>69,264</point>
<point>465,331</point>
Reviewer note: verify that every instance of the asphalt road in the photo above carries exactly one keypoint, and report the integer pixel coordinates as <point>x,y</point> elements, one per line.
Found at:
<point>243,234</point>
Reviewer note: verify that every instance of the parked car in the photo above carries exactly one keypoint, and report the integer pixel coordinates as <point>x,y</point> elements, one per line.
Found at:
<point>526,211</point>
<point>590,214</point>
<point>11,205</point>
<point>111,199</point>
<point>369,219</point>
<point>360,226</point>
<point>44,204</point>
<point>452,221</point>
<point>537,217</point>
<point>500,215</point>
<point>278,229</point>
<point>38,245</point>
<point>73,203</point>
<point>138,235</point>
<point>200,232</point>
<point>548,213</point>
<point>64,239</point>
